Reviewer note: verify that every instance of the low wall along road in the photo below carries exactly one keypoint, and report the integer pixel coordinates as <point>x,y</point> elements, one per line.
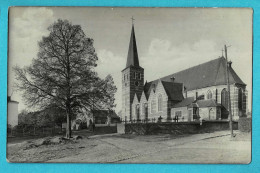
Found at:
<point>178,127</point>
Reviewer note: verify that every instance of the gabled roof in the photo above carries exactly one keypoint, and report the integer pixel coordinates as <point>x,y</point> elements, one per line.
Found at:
<point>173,90</point>
<point>132,57</point>
<point>185,102</point>
<point>204,75</point>
<point>148,87</point>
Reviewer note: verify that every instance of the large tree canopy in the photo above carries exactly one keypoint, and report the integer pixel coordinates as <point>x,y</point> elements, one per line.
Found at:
<point>63,73</point>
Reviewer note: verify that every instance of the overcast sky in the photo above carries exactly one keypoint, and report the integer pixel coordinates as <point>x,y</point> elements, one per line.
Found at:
<point>168,39</point>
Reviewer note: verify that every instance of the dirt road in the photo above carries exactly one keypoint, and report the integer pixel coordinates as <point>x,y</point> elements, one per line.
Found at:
<point>214,147</point>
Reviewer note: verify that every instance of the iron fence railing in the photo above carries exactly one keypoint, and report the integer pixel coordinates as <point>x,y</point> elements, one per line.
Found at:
<point>155,120</point>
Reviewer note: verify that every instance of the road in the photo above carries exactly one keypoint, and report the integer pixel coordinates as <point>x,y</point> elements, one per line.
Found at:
<point>214,147</point>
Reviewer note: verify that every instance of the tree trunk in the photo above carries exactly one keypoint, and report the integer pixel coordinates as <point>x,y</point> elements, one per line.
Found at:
<point>68,128</point>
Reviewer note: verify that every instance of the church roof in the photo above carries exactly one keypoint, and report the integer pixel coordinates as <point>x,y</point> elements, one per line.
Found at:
<point>148,87</point>
<point>204,103</point>
<point>207,103</point>
<point>185,102</point>
<point>173,90</point>
<point>204,75</point>
<point>132,57</point>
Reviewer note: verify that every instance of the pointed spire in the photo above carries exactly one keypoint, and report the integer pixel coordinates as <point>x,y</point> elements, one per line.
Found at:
<point>132,57</point>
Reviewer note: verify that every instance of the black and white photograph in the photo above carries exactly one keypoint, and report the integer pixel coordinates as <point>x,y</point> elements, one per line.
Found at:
<point>129,85</point>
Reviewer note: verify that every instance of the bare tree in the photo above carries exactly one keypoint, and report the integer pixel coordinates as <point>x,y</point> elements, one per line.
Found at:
<point>63,74</point>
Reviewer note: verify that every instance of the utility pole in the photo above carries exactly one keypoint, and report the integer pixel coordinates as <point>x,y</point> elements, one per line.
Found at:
<point>229,101</point>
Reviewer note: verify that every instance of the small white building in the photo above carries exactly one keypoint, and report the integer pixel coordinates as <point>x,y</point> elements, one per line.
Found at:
<point>12,112</point>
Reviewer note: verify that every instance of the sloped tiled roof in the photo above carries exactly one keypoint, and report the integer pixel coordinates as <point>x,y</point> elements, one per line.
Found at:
<point>204,75</point>
<point>148,88</point>
<point>173,90</point>
<point>207,103</point>
<point>185,102</point>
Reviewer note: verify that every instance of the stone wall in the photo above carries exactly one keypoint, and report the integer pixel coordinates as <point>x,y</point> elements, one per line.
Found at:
<point>177,128</point>
<point>106,129</point>
<point>245,124</point>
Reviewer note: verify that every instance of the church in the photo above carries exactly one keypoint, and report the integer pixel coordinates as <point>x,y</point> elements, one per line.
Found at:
<point>194,94</point>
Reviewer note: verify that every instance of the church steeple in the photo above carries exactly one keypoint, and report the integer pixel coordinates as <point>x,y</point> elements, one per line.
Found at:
<point>132,57</point>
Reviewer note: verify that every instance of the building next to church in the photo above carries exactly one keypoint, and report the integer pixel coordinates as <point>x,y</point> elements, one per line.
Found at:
<point>197,93</point>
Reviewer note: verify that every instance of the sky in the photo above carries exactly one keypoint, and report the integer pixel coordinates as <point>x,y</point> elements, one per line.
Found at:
<point>168,39</point>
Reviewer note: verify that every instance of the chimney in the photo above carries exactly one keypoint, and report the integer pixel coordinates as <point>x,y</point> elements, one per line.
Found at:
<point>172,78</point>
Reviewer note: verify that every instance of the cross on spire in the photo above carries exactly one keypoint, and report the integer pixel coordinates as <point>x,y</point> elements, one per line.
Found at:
<point>132,20</point>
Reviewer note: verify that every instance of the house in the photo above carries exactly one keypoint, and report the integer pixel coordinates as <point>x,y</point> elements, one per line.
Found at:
<point>105,117</point>
<point>12,112</point>
<point>196,93</point>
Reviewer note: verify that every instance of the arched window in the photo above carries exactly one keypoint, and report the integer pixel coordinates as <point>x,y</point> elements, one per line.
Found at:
<point>224,98</point>
<point>153,104</point>
<point>209,95</point>
<point>160,102</point>
<point>143,108</point>
<point>240,99</point>
<point>216,95</point>
<point>137,111</point>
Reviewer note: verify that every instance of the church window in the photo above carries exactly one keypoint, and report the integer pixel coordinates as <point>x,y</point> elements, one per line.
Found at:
<point>137,111</point>
<point>127,76</point>
<point>153,105</point>
<point>139,75</point>
<point>240,100</point>
<point>135,75</point>
<point>160,102</point>
<point>216,95</point>
<point>201,97</point>
<point>224,98</point>
<point>143,109</point>
<point>209,95</point>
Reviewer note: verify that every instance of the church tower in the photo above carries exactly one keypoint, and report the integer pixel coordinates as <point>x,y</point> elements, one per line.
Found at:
<point>132,79</point>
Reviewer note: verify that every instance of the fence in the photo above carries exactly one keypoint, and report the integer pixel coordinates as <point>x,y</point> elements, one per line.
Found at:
<point>154,120</point>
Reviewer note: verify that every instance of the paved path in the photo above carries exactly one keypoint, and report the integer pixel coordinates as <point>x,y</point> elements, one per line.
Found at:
<point>200,148</point>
